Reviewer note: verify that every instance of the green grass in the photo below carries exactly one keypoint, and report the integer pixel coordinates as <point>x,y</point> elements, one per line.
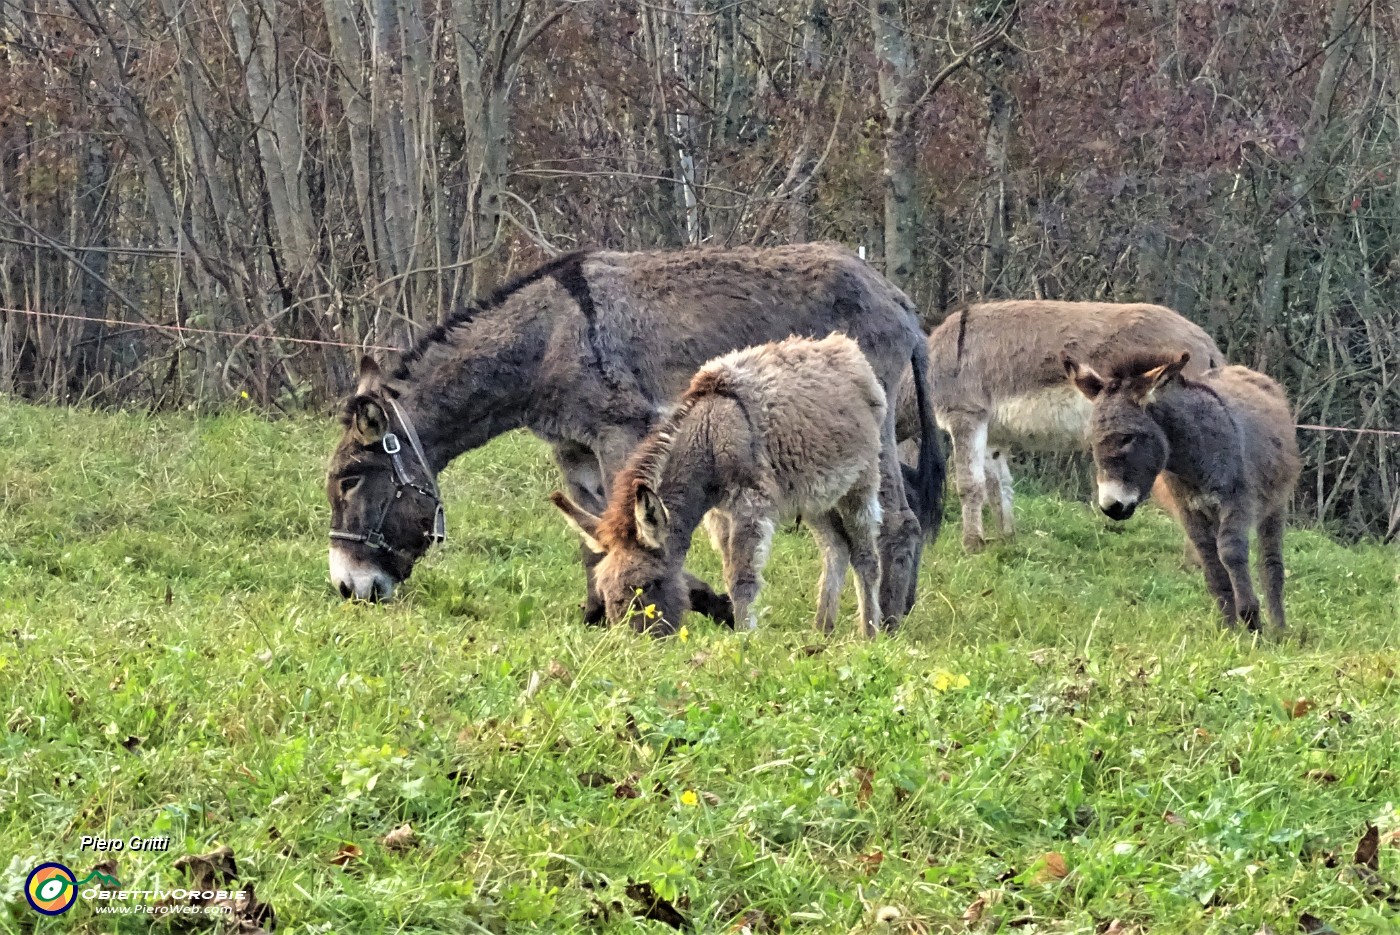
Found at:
<point>163,578</point>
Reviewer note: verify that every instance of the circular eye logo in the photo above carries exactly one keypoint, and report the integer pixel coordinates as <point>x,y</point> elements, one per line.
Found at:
<point>51,889</point>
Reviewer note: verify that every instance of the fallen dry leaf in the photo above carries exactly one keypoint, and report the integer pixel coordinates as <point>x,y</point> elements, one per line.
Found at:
<point>974,911</point>
<point>401,838</point>
<point>754,922</point>
<point>1368,849</point>
<point>1312,925</point>
<point>866,777</point>
<point>869,863</point>
<point>625,790</point>
<point>346,854</point>
<point>557,671</point>
<point>1296,708</point>
<point>1201,733</point>
<point>652,906</point>
<point>595,780</point>
<point>1051,867</point>
<point>1172,818</point>
<point>1321,775</point>
<point>208,871</point>
<point>218,870</point>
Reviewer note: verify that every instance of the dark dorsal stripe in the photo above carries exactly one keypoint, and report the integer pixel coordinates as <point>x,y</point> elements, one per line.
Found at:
<point>566,269</point>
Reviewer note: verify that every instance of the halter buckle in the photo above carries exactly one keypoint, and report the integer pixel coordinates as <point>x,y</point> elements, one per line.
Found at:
<point>375,540</point>
<point>391,444</point>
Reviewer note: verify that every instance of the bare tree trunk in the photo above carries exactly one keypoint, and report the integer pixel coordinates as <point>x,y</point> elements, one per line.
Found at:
<point>896,65</point>
<point>998,207</point>
<point>352,83</point>
<point>1339,48</point>
<point>275,110</point>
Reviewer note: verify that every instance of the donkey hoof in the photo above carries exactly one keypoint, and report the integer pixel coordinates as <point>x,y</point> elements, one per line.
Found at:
<point>974,544</point>
<point>592,614</point>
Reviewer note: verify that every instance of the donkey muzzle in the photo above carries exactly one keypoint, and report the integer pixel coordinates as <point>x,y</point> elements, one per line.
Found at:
<point>354,577</point>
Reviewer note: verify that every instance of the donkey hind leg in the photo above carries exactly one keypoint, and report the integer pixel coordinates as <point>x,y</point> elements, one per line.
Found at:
<point>750,540</point>
<point>901,538</point>
<point>969,461</point>
<point>858,521</point>
<point>583,478</point>
<point>836,556</point>
<point>998,474</point>
<point>1271,565</point>
<point>1232,542</point>
<point>1201,530</point>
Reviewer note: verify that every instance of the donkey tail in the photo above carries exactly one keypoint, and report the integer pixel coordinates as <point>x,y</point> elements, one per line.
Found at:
<point>926,490</point>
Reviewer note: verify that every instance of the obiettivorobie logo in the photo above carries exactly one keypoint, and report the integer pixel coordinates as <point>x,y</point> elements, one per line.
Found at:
<point>53,889</point>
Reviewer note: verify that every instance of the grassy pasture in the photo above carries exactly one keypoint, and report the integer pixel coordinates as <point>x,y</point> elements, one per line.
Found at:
<point>1061,735</point>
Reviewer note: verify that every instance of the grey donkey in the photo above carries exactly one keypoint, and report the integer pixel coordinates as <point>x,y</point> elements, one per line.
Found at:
<point>998,386</point>
<point>587,352</point>
<point>1225,447</point>
<point>764,433</point>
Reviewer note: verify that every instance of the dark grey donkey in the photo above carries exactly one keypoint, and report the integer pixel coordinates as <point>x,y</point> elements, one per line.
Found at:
<point>763,434</point>
<point>1225,447</point>
<point>588,352</point>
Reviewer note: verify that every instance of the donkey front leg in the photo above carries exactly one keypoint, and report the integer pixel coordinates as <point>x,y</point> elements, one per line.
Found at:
<point>750,541</point>
<point>969,461</point>
<point>1232,542</point>
<point>901,537</point>
<point>583,479</point>
<point>857,521</point>
<point>1201,530</point>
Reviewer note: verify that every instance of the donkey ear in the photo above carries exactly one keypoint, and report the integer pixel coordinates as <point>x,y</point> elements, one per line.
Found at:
<point>370,374</point>
<point>651,516</point>
<point>584,522</point>
<point>1083,377</point>
<point>1159,377</point>
<point>368,420</point>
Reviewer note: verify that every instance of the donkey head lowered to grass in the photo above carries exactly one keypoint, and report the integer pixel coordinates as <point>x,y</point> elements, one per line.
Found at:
<point>1225,447</point>
<point>385,506</point>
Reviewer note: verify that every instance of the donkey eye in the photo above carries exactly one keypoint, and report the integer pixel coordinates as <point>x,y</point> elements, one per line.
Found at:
<point>348,484</point>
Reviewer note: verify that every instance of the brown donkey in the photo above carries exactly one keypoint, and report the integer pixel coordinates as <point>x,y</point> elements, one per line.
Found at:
<point>762,433</point>
<point>1225,447</point>
<point>998,386</point>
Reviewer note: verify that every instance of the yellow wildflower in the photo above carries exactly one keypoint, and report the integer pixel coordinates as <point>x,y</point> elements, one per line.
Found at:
<point>943,681</point>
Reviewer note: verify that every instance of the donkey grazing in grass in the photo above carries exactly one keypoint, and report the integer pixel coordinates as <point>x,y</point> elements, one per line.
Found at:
<point>1226,449</point>
<point>762,433</point>
<point>587,352</point>
<point>998,385</point>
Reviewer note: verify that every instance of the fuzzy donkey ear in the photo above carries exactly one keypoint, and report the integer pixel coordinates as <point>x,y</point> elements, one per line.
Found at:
<point>1159,377</point>
<point>368,420</point>
<point>1082,376</point>
<point>651,516</point>
<point>370,375</point>
<point>584,522</point>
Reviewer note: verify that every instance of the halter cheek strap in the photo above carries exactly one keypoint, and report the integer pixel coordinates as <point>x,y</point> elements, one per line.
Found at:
<point>374,539</point>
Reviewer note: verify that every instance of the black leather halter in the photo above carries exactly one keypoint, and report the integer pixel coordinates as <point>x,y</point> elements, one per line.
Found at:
<point>374,539</point>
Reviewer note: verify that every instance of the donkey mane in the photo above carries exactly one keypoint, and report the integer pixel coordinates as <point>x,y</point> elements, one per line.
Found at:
<point>566,269</point>
<point>1133,364</point>
<point>649,460</point>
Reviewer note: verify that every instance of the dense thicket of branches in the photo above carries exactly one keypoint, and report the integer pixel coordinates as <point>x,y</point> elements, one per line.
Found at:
<point>351,170</point>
